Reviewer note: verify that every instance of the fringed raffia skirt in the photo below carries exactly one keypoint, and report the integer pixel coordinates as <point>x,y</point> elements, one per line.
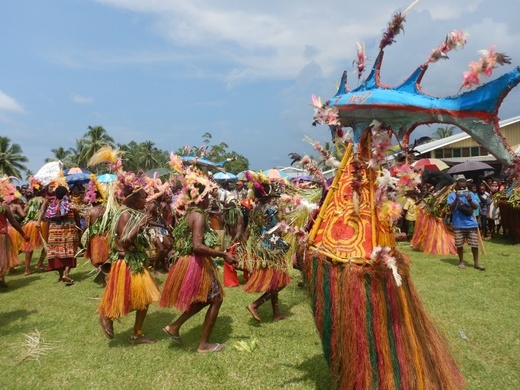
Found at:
<point>8,254</point>
<point>98,249</point>
<point>431,235</point>
<point>35,237</point>
<point>16,238</point>
<point>267,280</point>
<point>376,334</point>
<point>126,291</point>
<point>191,279</point>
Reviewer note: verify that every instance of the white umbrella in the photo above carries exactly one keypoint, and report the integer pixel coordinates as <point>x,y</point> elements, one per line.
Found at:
<point>49,172</point>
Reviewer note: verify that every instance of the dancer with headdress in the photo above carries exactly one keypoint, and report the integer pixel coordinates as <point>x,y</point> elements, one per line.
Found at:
<point>8,252</point>
<point>265,251</point>
<point>192,282</point>
<point>95,237</point>
<point>130,285</point>
<point>64,233</point>
<point>30,224</point>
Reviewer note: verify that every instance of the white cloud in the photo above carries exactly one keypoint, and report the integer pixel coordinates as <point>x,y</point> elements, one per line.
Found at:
<point>79,99</point>
<point>276,39</point>
<point>7,103</point>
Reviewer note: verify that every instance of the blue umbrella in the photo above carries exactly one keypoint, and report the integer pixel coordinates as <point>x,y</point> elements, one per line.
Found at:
<point>107,178</point>
<point>76,170</point>
<point>77,178</point>
<point>224,176</point>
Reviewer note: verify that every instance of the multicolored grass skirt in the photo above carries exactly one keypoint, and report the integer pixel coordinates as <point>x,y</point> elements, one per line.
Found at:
<point>267,280</point>
<point>126,291</point>
<point>8,254</point>
<point>432,236</point>
<point>374,333</point>
<point>98,249</point>
<point>191,279</point>
<point>35,238</point>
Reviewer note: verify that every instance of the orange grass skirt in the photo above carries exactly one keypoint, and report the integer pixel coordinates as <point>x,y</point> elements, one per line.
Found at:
<point>35,238</point>
<point>126,291</point>
<point>98,249</point>
<point>8,254</point>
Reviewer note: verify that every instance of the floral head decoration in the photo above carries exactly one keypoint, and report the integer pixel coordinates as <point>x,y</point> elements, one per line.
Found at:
<point>35,184</point>
<point>95,192</point>
<point>8,191</point>
<point>195,187</point>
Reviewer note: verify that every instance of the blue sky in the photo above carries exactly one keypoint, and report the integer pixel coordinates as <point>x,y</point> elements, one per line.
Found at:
<point>169,71</point>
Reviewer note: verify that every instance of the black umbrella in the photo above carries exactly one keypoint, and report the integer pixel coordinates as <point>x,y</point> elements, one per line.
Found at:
<point>470,166</point>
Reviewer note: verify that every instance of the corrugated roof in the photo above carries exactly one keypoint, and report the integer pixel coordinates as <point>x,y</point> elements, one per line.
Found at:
<point>428,147</point>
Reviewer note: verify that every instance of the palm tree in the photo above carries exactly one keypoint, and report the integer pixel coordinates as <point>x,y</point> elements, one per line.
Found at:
<point>60,154</point>
<point>11,158</point>
<point>94,139</point>
<point>443,132</point>
<point>146,156</point>
<point>75,158</point>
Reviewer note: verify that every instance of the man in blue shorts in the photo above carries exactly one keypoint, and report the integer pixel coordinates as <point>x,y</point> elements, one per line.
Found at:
<point>465,227</point>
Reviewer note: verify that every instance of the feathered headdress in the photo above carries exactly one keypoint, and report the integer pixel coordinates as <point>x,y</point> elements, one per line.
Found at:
<point>35,184</point>
<point>8,191</point>
<point>112,157</point>
<point>59,181</point>
<point>195,187</point>
<point>261,185</point>
<point>95,192</point>
<point>127,183</point>
<point>155,187</point>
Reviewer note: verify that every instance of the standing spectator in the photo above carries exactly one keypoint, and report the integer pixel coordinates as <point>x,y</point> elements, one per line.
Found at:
<point>462,204</point>
<point>410,209</point>
<point>485,201</point>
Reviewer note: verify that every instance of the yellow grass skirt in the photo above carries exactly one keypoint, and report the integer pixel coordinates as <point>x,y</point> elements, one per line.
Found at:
<point>35,238</point>
<point>127,291</point>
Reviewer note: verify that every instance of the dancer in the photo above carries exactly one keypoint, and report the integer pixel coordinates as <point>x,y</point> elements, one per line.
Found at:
<point>30,227</point>
<point>64,235</point>
<point>130,286</point>
<point>96,235</point>
<point>8,252</point>
<point>265,251</point>
<point>192,281</point>
<point>159,212</point>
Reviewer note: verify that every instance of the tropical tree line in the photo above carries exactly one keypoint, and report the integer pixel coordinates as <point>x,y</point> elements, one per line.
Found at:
<point>142,156</point>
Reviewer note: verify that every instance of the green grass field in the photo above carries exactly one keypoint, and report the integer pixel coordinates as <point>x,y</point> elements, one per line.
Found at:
<point>482,306</point>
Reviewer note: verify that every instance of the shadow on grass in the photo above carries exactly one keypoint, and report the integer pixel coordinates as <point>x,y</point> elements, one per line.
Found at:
<point>19,282</point>
<point>454,261</point>
<point>155,322</point>
<point>14,315</point>
<point>314,369</point>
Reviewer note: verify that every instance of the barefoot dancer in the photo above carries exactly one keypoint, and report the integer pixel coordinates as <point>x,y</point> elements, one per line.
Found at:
<point>96,235</point>
<point>130,286</point>
<point>192,282</point>
<point>30,227</point>
<point>63,235</point>
<point>8,253</point>
<point>266,253</point>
